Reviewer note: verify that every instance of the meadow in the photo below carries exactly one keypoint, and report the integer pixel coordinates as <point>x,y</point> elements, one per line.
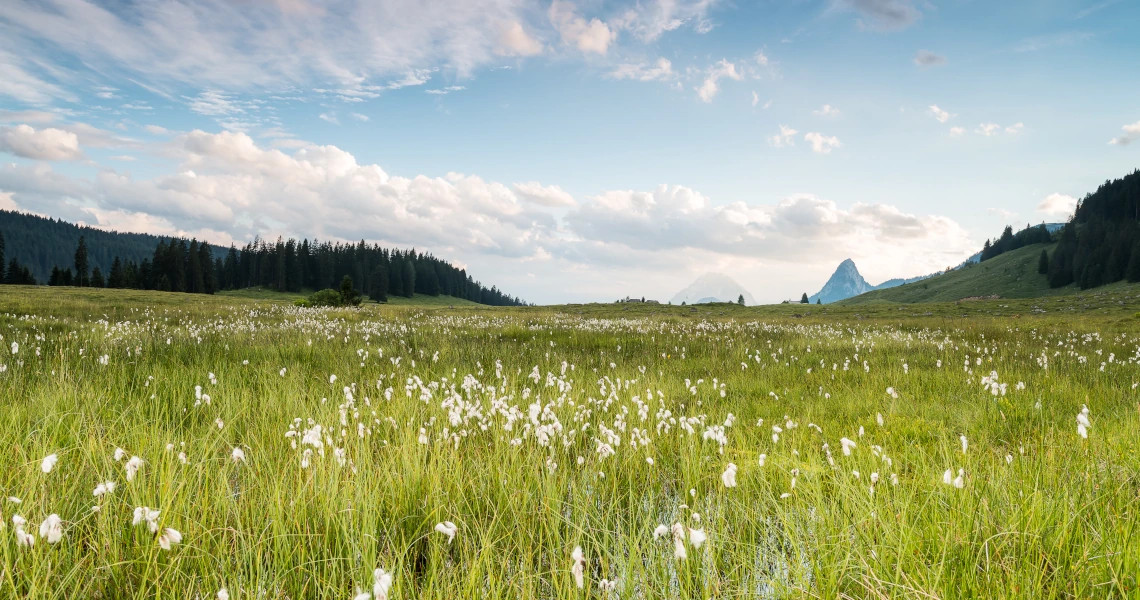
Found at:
<point>183,446</point>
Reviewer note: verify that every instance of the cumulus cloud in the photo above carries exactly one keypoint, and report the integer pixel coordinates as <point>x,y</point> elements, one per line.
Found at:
<point>515,41</point>
<point>884,15</point>
<point>796,229</point>
<point>44,144</point>
<point>940,114</point>
<point>786,137</point>
<point>711,85</point>
<point>659,70</point>
<point>957,131</point>
<point>926,58</point>
<point>225,186</point>
<point>587,36</point>
<point>1057,205</point>
<point>545,195</point>
<point>1131,134</point>
<point>821,144</point>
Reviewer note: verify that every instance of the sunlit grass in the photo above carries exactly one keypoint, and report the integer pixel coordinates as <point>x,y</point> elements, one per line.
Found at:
<point>436,425</point>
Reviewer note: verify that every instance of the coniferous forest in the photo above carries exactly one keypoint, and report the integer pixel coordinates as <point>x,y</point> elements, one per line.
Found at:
<point>65,254</point>
<point>1101,244</point>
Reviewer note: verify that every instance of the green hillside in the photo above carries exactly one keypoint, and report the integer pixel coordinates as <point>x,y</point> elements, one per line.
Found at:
<point>1009,275</point>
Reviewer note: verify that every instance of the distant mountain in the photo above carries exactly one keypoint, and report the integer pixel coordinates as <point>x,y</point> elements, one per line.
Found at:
<point>847,282</point>
<point>713,287</point>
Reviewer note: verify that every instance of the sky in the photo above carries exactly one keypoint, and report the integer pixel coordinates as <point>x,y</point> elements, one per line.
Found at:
<point>575,150</point>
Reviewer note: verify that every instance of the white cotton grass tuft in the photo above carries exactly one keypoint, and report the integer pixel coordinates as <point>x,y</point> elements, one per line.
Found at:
<point>381,583</point>
<point>965,443</point>
<point>1083,422</point>
<point>237,455</point>
<point>23,538</point>
<point>132,467</point>
<point>578,570</point>
<point>146,515</point>
<point>447,528</point>
<point>104,488</point>
<point>48,463</point>
<point>679,551</point>
<point>120,454</point>
<point>697,537</point>
<point>959,481</point>
<point>728,477</point>
<point>223,594</point>
<point>660,532</point>
<point>168,538</point>
<point>847,445</point>
<point>51,530</point>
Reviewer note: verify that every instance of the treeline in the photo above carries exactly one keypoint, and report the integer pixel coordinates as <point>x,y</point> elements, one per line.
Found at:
<point>191,266</point>
<point>1101,243</point>
<point>1012,241</point>
<point>41,244</point>
<point>14,273</point>
<point>291,266</point>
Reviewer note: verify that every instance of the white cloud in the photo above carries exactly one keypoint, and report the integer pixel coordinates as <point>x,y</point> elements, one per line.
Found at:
<point>24,86</point>
<point>545,195</point>
<point>926,58</point>
<point>821,144</point>
<point>1057,205</point>
<point>360,117</point>
<point>327,117</point>
<point>883,15</point>
<point>711,85</point>
<point>988,129</point>
<point>443,91</point>
<point>228,187</point>
<point>1015,128</point>
<point>755,99</point>
<point>786,137</point>
<point>957,131</point>
<point>826,110</point>
<point>940,114</point>
<point>1131,134</point>
<point>44,144</point>
<point>588,36</point>
<point>515,41</point>
<point>214,104</point>
<point>237,46</point>
<point>648,20</point>
<point>660,70</point>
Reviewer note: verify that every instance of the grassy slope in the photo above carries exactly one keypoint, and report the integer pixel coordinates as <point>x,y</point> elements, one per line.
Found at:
<point>1010,275</point>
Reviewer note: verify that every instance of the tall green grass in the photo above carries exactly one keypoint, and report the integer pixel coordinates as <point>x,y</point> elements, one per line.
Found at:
<point>1058,519</point>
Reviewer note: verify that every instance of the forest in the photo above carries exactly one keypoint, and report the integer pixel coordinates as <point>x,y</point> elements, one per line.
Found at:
<point>87,257</point>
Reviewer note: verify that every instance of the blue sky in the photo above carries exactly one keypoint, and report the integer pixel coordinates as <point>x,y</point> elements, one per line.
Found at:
<point>576,150</point>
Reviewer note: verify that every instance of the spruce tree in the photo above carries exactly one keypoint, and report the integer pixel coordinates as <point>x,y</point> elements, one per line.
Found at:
<point>81,263</point>
<point>740,299</point>
<point>97,278</point>
<point>1043,263</point>
<point>378,287</point>
<point>804,298</point>
<point>117,278</point>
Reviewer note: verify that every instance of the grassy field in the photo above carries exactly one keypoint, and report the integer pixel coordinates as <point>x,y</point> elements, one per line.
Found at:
<point>867,451</point>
